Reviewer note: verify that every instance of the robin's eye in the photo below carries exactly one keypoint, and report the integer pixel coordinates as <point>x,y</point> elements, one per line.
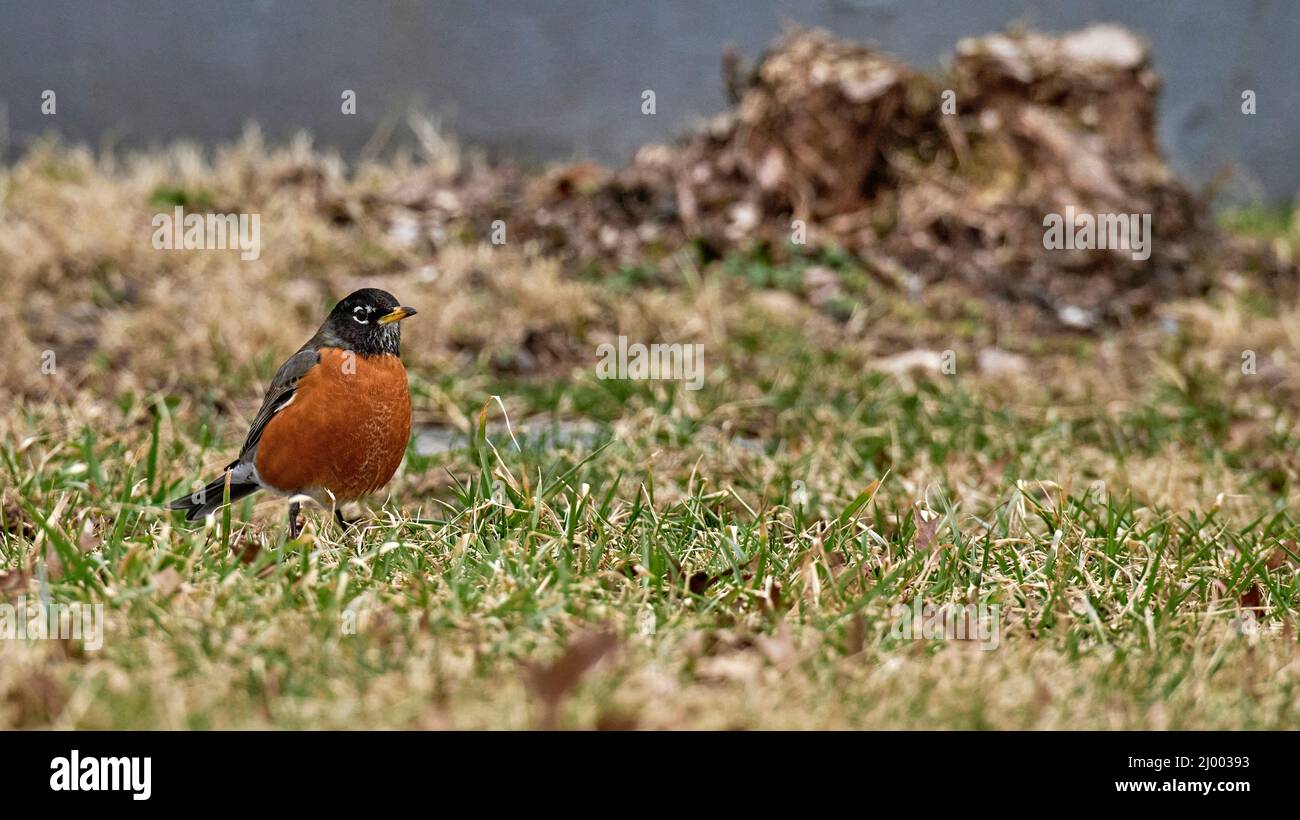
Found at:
<point>361,315</point>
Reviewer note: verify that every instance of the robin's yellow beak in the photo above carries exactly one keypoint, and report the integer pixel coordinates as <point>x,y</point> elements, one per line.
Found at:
<point>397,314</point>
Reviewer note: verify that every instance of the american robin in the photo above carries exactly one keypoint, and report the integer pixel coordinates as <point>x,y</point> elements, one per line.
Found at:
<point>336,418</point>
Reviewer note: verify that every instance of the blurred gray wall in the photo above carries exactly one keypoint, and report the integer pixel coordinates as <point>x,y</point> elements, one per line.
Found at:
<point>558,79</point>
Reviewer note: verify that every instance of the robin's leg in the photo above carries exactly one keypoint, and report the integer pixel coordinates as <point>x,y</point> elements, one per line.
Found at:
<point>344,524</point>
<point>295,526</point>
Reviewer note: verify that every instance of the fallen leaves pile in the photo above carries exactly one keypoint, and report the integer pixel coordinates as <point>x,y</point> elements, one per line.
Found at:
<point>832,144</point>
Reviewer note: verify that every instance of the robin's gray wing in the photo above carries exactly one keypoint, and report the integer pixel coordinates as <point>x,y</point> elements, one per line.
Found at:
<point>278,396</point>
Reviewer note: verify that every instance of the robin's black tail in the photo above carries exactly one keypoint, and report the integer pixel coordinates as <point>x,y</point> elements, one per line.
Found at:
<point>203,502</point>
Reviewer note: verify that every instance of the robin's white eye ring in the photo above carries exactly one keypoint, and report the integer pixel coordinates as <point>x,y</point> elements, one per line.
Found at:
<point>358,312</point>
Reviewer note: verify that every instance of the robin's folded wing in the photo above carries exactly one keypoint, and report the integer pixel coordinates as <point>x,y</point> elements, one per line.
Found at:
<point>278,396</point>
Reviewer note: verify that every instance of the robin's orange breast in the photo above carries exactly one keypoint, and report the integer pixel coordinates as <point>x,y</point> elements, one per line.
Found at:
<point>345,431</point>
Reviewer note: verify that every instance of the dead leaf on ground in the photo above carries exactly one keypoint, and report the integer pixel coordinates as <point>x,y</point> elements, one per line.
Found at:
<point>855,636</point>
<point>37,698</point>
<point>699,582</point>
<point>14,580</point>
<point>1287,552</point>
<point>88,539</point>
<point>616,720</point>
<point>925,531</point>
<point>1253,599</point>
<point>550,683</point>
<point>16,523</point>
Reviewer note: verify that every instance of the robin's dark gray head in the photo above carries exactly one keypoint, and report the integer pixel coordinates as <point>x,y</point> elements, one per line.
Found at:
<point>367,322</point>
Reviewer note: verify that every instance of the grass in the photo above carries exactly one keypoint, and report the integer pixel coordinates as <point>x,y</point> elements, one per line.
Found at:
<point>729,557</point>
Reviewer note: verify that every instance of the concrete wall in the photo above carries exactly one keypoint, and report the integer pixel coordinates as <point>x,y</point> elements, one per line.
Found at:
<point>556,79</point>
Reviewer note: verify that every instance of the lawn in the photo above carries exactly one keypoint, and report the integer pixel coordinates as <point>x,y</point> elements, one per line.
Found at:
<point>564,550</point>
